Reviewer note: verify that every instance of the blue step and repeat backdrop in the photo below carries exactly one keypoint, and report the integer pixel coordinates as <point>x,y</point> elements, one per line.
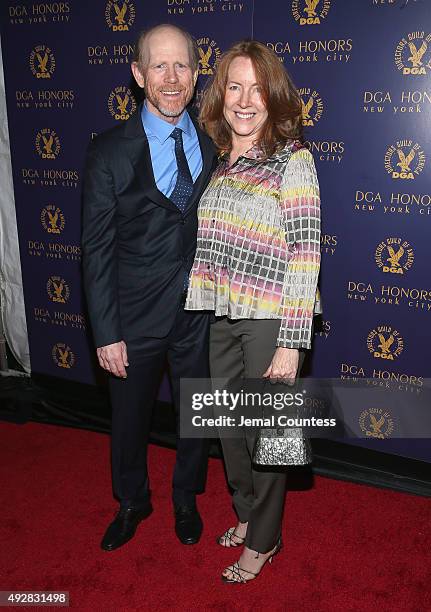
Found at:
<point>363,71</point>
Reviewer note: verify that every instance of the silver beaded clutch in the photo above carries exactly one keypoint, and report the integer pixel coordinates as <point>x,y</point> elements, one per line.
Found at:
<point>282,447</point>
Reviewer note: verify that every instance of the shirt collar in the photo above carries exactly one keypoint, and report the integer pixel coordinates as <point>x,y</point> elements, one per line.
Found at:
<point>161,129</point>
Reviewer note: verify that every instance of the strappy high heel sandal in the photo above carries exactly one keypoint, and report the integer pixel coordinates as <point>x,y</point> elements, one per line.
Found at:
<point>237,572</point>
<point>228,537</point>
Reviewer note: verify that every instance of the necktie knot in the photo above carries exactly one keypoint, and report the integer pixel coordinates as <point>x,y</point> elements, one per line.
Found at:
<point>176,134</point>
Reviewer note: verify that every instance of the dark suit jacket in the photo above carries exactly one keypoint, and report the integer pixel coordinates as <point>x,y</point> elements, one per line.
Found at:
<point>136,243</point>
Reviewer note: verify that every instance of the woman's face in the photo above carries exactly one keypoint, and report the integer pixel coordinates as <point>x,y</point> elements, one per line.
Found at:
<point>244,108</point>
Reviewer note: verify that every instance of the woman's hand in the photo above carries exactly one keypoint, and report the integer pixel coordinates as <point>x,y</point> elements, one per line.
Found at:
<point>284,365</point>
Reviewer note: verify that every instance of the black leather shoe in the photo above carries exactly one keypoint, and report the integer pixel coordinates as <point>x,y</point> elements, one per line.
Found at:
<point>188,524</point>
<point>123,527</point>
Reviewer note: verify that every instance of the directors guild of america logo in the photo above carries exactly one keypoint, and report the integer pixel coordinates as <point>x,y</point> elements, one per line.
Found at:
<point>47,144</point>
<point>52,219</point>
<point>376,423</point>
<point>120,15</point>
<point>57,289</point>
<point>394,255</point>
<point>208,55</point>
<point>63,355</point>
<point>413,54</point>
<point>384,342</point>
<point>310,12</point>
<point>312,106</point>
<point>121,103</point>
<point>42,62</point>
<point>404,160</point>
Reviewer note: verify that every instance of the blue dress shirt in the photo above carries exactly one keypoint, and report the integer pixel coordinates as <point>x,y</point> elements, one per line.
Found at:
<point>162,148</point>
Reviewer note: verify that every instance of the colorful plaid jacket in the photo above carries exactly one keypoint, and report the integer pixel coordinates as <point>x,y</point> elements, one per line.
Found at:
<point>258,244</point>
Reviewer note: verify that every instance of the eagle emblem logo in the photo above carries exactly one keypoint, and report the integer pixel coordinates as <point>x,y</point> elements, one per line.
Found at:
<point>209,54</point>
<point>376,423</point>
<point>52,219</point>
<point>120,15</point>
<point>205,57</point>
<point>63,355</point>
<point>417,54</point>
<point>121,103</point>
<point>42,62</point>
<point>405,160</point>
<point>384,342</point>
<point>310,7</point>
<point>47,144</point>
<point>58,290</point>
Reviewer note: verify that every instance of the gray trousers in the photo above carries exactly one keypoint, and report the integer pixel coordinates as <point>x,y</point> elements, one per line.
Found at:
<point>244,349</point>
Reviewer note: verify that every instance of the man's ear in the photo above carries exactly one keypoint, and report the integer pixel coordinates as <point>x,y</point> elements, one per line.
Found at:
<point>137,73</point>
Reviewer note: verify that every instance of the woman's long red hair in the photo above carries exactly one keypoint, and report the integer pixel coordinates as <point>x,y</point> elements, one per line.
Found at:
<point>282,100</point>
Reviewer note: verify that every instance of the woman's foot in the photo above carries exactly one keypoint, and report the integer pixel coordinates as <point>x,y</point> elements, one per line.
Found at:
<point>249,565</point>
<point>234,536</point>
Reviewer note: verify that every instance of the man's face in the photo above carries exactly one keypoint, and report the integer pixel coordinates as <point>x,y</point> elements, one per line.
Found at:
<point>167,77</point>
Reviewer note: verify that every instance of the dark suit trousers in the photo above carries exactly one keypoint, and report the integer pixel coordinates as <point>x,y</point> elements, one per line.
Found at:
<point>244,349</point>
<point>186,350</point>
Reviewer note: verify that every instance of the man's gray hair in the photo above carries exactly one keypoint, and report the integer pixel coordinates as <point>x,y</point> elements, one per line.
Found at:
<point>141,57</point>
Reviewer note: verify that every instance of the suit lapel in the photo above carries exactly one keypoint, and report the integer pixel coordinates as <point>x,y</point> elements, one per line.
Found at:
<point>139,151</point>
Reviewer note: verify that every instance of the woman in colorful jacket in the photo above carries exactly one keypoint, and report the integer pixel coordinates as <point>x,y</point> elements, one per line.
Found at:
<point>256,267</point>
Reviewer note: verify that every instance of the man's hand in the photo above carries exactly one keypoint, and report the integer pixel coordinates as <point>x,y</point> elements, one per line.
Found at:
<point>113,358</point>
<point>284,365</point>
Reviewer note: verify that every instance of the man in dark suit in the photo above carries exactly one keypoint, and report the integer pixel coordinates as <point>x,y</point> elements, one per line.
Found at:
<point>142,185</point>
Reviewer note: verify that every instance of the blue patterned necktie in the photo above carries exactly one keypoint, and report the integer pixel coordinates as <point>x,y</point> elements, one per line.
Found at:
<point>184,186</point>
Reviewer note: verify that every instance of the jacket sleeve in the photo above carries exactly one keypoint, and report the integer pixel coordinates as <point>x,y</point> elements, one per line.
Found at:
<point>300,206</point>
<point>99,246</point>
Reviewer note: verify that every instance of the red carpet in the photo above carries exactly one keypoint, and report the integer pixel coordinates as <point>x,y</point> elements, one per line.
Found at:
<point>347,547</point>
